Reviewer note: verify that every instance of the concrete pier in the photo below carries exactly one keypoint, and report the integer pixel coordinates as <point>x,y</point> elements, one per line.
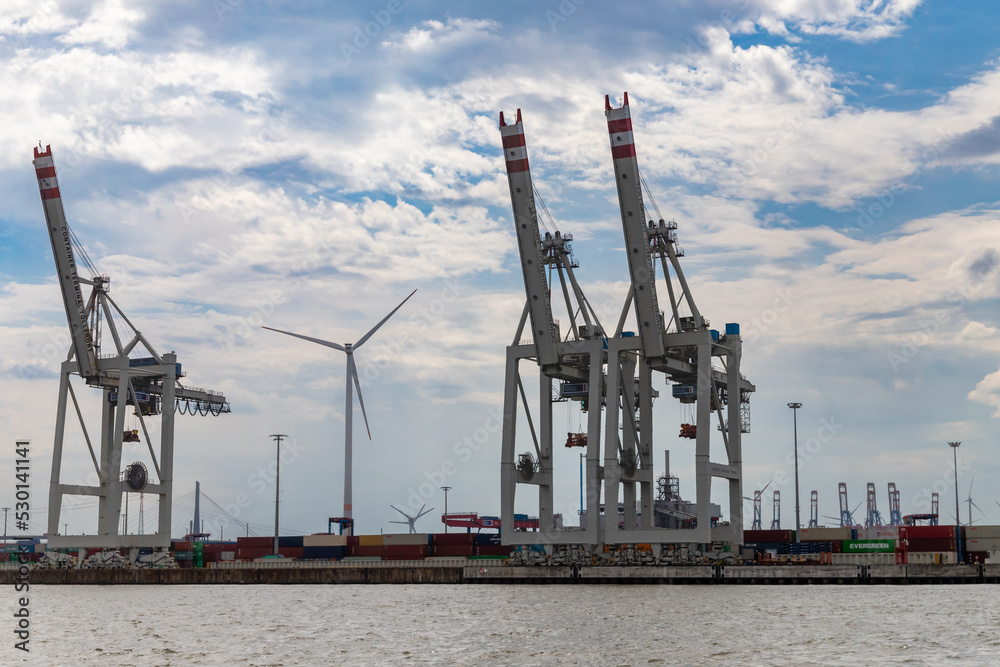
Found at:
<point>494,572</point>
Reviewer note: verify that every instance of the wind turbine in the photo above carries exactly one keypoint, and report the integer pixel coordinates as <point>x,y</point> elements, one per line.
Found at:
<point>352,381</point>
<point>971,502</point>
<point>411,520</point>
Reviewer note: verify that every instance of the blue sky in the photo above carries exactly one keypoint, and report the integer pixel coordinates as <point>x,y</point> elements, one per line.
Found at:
<point>832,165</point>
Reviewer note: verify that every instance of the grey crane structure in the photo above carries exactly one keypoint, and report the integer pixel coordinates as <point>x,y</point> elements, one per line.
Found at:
<point>134,375</point>
<point>615,372</point>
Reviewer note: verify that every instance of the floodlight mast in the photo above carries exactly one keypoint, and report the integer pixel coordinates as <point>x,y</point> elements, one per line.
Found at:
<point>148,383</point>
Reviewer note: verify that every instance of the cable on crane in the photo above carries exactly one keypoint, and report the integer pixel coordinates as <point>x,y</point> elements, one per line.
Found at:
<point>649,195</point>
<point>82,252</point>
<point>545,211</point>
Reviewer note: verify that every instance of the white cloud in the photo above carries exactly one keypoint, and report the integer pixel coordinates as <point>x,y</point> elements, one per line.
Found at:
<point>436,35</point>
<point>855,20</point>
<point>988,392</point>
<point>109,24</point>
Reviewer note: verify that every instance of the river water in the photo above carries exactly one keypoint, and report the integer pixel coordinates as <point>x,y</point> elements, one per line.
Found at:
<point>508,625</point>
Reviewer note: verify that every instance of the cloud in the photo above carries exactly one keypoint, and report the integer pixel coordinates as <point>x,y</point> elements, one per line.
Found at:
<point>109,24</point>
<point>451,33</point>
<point>988,392</point>
<point>854,20</point>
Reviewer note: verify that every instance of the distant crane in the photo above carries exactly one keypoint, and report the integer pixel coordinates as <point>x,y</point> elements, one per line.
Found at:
<point>935,508</point>
<point>757,508</point>
<point>411,520</point>
<point>352,381</point>
<point>895,516</point>
<point>846,516</point>
<point>776,511</point>
<point>814,509</point>
<point>873,517</point>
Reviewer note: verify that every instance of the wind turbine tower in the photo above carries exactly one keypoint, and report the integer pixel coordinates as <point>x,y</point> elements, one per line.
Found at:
<point>352,382</point>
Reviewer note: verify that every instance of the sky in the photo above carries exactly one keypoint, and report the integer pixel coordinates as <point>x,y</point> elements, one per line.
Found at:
<point>832,166</point>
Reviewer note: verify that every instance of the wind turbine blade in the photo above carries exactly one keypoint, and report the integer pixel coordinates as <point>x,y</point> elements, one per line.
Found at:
<point>423,513</point>
<point>353,370</point>
<point>327,343</point>
<point>384,319</point>
<point>398,510</point>
<point>765,488</point>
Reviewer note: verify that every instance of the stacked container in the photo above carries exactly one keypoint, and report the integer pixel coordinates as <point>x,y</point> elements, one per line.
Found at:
<point>252,548</point>
<point>324,546</point>
<point>453,544</point>
<point>412,546</point>
<point>487,545</point>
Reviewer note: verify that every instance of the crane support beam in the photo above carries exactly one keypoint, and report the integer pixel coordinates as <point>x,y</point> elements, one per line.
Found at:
<point>62,252</point>
<point>543,328</point>
<point>640,260</point>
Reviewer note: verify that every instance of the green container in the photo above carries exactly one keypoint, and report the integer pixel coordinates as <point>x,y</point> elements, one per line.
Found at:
<point>183,555</point>
<point>869,546</point>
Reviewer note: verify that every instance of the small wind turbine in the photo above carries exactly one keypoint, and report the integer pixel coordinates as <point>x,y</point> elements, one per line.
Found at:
<point>971,502</point>
<point>411,520</point>
<point>352,381</point>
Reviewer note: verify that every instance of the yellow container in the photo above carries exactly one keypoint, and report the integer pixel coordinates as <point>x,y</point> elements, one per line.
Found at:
<point>370,540</point>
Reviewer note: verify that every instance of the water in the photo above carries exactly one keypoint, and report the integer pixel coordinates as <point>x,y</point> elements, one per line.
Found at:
<point>509,625</point>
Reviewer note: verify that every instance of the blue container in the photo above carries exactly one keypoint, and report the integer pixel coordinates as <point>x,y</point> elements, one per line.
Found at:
<point>481,539</point>
<point>715,335</point>
<point>732,329</point>
<point>290,542</point>
<point>325,553</point>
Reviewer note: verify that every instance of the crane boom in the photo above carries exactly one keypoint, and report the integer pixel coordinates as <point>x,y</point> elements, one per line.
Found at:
<point>543,328</point>
<point>640,260</point>
<point>62,252</point>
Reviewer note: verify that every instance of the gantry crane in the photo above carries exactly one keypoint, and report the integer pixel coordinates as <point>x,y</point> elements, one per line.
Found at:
<point>846,515</point>
<point>873,517</point>
<point>776,511</point>
<point>145,382</point>
<point>895,516</point>
<point>576,360</point>
<point>814,509</point>
<point>682,349</point>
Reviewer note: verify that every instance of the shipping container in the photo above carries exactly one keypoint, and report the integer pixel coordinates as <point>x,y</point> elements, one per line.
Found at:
<point>252,553</point>
<point>254,542</point>
<point>290,552</point>
<point>453,539</point>
<point>452,550</point>
<point>352,540</point>
<point>404,552</point>
<point>362,551</point>
<point>406,539</point>
<point>926,532</point>
<point>491,550</point>
<point>878,533</point>
<point>821,534</point>
<point>869,546</point>
<point>293,541</point>
<point>982,532</point>
<point>183,555</point>
<point>228,555</point>
<point>324,552</point>
<point>485,538</point>
<point>324,540</point>
<point>370,541</point>
<point>750,536</point>
<point>931,544</point>
<point>975,557</point>
<point>983,544</point>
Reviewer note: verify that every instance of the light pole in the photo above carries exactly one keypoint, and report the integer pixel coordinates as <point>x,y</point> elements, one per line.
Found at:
<point>954,449</point>
<point>582,455</point>
<point>5,510</point>
<point>795,427</point>
<point>446,489</point>
<point>277,483</point>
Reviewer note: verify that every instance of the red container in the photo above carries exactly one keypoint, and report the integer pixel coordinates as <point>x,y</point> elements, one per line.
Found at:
<point>290,552</point>
<point>181,545</point>
<point>352,540</point>
<point>755,536</point>
<point>404,552</point>
<point>926,532</point>
<point>930,544</point>
<point>211,547</point>
<point>453,539</point>
<point>974,557</point>
<point>255,542</point>
<point>251,554</point>
<point>364,552</point>
<point>453,550</point>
